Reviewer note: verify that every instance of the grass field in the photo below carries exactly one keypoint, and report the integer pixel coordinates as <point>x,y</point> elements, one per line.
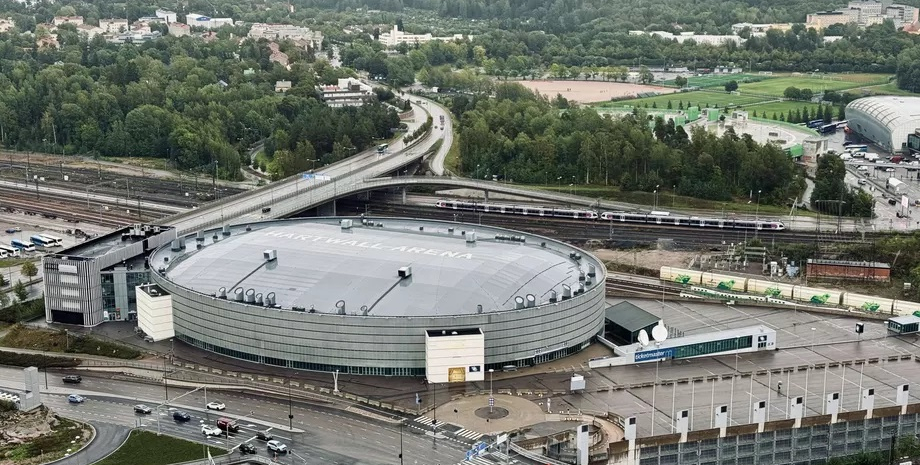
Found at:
<point>698,98</point>
<point>776,86</point>
<point>717,80</point>
<point>887,89</point>
<point>146,448</point>
<point>24,337</point>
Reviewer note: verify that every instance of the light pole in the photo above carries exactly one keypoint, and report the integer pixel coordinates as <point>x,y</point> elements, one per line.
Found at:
<point>656,196</point>
<point>491,398</point>
<point>290,409</point>
<point>757,215</point>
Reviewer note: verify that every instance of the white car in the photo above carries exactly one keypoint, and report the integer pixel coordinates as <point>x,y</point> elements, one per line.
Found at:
<point>209,430</point>
<point>215,406</point>
<point>277,446</point>
<point>889,170</point>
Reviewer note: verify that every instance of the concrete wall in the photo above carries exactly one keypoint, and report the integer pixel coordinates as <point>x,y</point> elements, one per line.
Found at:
<point>460,352</point>
<point>154,315</point>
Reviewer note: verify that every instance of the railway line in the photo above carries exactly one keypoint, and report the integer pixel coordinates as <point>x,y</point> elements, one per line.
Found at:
<point>184,192</point>
<point>52,205</point>
<point>584,230</point>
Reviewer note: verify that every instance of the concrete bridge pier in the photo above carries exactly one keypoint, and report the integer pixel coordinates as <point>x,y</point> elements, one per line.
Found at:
<point>485,196</point>
<point>326,209</point>
<point>403,192</point>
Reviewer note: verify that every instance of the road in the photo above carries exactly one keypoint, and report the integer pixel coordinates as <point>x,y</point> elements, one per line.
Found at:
<point>329,436</point>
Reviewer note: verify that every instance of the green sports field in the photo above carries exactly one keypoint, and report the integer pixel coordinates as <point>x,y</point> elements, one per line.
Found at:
<point>766,110</point>
<point>776,86</point>
<point>698,98</point>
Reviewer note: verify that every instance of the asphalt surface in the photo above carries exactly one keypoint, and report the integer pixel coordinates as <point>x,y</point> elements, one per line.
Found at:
<point>320,435</point>
<point>108,438</point>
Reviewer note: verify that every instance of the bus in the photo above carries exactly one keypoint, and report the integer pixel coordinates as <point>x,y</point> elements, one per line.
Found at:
<point>22,246</point>
<point>41,241</point>
<point>57,241</point>
<point>814,124</point>
<point>10,251</point>
<point>382,149</point>
<point>827,128</point>
<point>857,148</point>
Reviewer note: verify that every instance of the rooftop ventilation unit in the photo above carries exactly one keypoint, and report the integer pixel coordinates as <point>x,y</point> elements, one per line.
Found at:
<point>588,281</point>
<point>214,237</point>
<point>364,310</point>
<point>199,236</point>
<point>421,228</point>
<point>270,299</point>
<point>531,301</point>
<point>238,294</point>
<point>340,307</point>
<point>552,297</point>
<point>270,254</point>
<point>581,275</point>
<point>222,293</point>
<point>298,309</point>
<point>450,230</point>
<point>518,303</point>
<point>566,292</point>
<point>226,230</point>
<point>471,237</point>
<point>259,300</point>
<point>199,245</point>
<point>248,228</point>
<point>405,272</point>
<point>156,229</point>
<point>165,259</point>
<point>479,308</point>
<point>592,272</point>
<point>175,247</point>
<point>162,270</point>
<point>581,288</point>
<point>250,297</point>
<point>346,224</point>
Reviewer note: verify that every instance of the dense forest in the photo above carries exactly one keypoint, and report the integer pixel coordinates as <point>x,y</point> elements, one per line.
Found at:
<point>522,137</point>
<point>184,99</point>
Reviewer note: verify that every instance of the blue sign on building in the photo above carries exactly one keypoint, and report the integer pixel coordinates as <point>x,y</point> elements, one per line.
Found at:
<point>654,354</point>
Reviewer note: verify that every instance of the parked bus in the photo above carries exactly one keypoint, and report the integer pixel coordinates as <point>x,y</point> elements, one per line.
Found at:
<point>58,242</point>
<point>41,241</point>
<point>10,251</point>
<point>828,128</point>
<point>857,148</point>
<point>382,148</point>
<point>22,246</point>
<point>814,124</point>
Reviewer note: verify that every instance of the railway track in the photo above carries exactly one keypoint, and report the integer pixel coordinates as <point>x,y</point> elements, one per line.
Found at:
<point>583,230</point>
<point>70,210</point>
<point>631,286</point>
<point>185,192</point>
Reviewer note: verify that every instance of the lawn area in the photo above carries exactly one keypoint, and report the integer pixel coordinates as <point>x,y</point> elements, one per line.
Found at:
<point>887,89</point>
<point>146,448</point>
<point>718,80</point>
<point>11,262</point>
<point>766,110</point>
<point>25,337</point>
<point>776,86</point>
<point>698,98</point>
<point>48,447</point>
<point>262,159</point>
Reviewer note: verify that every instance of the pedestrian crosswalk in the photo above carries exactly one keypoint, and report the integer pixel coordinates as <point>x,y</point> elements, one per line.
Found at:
<point>465,433</point>
<point>462,433</point>
<point>477,461</point>
<point>496,459</point>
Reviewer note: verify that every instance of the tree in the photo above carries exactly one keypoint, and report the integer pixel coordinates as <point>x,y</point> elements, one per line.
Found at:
<point>806,94</point>
<point>20,291</point>
<point>731,86</point>
<point>29,270</point>
<point>792,93</point>
<point>645,76</point>
<point>4,299</point>
<point>680,81</point>
<point>670,105</point>
<point>2,281</point>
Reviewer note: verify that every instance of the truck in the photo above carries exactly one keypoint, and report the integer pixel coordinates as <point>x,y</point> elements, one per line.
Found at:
<point>871,156</point>
<point>897,159</point>
<point>895,184</point>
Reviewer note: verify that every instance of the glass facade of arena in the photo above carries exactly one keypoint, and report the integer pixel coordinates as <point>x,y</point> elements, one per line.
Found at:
<point>913,143</point>
<point>713,347</point>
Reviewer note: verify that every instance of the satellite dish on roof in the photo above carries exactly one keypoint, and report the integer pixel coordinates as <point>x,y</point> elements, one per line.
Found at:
<point>659,332</point>
<point>643,337</point>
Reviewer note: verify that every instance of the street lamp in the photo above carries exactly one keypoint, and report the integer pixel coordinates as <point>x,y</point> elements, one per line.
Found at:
<point>491,398</point>
<point>656,195</point>
<point>757,215</point>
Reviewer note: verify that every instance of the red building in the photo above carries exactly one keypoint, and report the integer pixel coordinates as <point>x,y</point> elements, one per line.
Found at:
<point>841,269</point>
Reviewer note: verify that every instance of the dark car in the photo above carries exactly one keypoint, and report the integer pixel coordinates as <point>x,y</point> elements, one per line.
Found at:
<point>181,416</point>
<point>247,448</point>
<point>141,408</point>
<point>73,379</point>
<point>264,436</point>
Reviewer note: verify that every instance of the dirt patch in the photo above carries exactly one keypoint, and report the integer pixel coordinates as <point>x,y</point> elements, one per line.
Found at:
<point>650,259</point>
<point>592,91</point>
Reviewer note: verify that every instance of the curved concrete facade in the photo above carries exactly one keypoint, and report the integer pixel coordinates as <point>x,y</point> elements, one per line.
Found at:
<point>383,344</point>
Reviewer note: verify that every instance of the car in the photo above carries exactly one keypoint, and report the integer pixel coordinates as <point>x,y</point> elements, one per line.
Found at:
<point>209,430</point>
<point>264,436</point>
<point>181,416</point>
<point>141,408</point>
<point>215,406</point>
<point>247,448</point>
<point>862,182</point>
<point>892,202</point>
<point>889,170</point>
<point>862,168</point>
<point>227,424</point>
<point>75,399</point>
<point>277,446</point>
<point>73,379</point>
<point>14,229</point>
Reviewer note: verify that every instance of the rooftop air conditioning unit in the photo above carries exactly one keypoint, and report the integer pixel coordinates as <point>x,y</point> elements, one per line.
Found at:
<point>405,272</point>
<point>346,224</point>
<point>270,254</point>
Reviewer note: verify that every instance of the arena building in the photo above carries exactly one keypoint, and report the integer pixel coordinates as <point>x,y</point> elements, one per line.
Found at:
<point>397,297</point>
<point>886,121</point>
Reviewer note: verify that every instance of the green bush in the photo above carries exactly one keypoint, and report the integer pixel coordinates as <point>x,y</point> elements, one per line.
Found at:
<point>7,406</point>
<point>146,448</point>
<point>35,360</point>
<point>23,311</point>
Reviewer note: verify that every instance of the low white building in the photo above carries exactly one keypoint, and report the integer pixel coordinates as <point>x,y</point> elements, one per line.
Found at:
<point>6,24</point>
<point>113,25</point>
<point>166,15</point>
<point>287,31</point>
<point>395,37</point>
<point>75,20</point>
<point>349,92</point>
<point>207,22</point>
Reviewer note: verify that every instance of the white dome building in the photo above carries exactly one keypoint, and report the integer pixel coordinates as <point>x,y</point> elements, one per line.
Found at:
<point>887,120</point>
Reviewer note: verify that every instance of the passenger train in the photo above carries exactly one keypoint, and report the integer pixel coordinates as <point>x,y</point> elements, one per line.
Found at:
<point>654,217</point>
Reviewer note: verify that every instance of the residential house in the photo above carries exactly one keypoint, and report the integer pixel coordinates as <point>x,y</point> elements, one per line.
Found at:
<point>348,92</point>
<point>282,86</point>
<point>75,20</point>
<point>301,35</point>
